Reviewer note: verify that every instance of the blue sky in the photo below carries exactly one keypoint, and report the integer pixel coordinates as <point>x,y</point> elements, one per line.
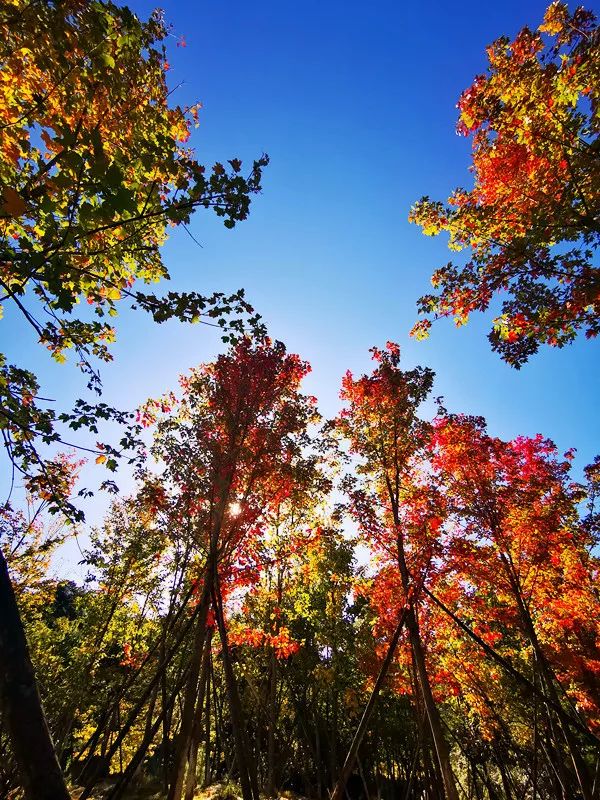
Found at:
<point>355,105</point>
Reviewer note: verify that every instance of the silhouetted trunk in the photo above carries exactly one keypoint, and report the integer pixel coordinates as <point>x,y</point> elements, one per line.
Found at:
<point>442,751</point>
<point>197,729</point>
<point>272,695</point>
<point>339,791</point>
<point>40,773</point>
<point>201,641</point>
<point>248,783</point>
<point>91,743</point>
<point>138,706</point>
<point>209,688</point>
<point>433,715</point>
<point>548,680</point>
<point>131,769</point>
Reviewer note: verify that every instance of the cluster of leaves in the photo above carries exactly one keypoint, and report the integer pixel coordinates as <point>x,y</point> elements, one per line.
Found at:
<point>531,218</point>
<point>94,171</point>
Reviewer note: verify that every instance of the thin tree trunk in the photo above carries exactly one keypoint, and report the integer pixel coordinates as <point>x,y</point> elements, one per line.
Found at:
<point>248,787</point>
<point>442,751</point>
<point>210,682</point>
<point>91,743</point>
<point>39,770</point>
<point>505,779</point>
<point>548,678</point>
<point>433,715</point>
<point>489,784</point>
<point>142,749</point>
<point>166,750</point>
<point>138,706</point>
<point>190,781</point>
<point>318,760</point>
<point>200,645</point>
<point>339,791</point>
<point>271,725</point>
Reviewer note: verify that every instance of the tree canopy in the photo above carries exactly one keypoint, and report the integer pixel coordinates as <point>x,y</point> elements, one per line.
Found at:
<point>395,602</point>
<point>531,219</point>
<point>95,170</point>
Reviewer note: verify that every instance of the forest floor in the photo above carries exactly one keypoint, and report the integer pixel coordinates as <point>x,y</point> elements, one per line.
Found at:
<point>217,791</point>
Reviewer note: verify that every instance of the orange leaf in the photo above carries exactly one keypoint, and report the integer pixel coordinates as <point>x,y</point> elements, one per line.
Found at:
<point>12,202</point>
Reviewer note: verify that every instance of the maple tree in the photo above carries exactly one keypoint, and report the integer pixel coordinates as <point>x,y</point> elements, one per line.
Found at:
<point>384,431</point>
<point>517,540</point>
<point>232,450</point>
<point>531,218</point>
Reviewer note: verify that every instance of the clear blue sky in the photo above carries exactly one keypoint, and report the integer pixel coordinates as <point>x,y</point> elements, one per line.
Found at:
<point>355,104</point>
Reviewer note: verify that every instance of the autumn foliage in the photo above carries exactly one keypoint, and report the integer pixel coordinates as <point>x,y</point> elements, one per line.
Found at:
<point>393,603</point>
<point>94,172</point>
<point>530,221</point>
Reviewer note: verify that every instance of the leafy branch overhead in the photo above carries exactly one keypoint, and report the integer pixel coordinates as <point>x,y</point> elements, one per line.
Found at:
<point>532,219</point>
<point>94,171</point>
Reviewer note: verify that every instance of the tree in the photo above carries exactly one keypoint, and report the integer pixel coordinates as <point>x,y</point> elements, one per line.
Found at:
<point>94,171</point>
<point>24,541</point>
<point>385,433</point>
<point>531,219</point>
<point>516,541</point>
<point>231,450</point>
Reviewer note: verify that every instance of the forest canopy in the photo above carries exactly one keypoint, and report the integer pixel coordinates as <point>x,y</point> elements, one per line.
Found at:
<point>394,602</point>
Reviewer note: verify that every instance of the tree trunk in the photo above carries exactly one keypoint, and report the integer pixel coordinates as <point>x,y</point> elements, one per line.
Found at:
<point>247,784</point>
<point>209,688</point>
<point>442,751</point>
<point>339,791</point>
<point>201,643</point>
<point>39,770</point>
<point>271,725</point>
<point>90,745</point>
<point>149,734</point>
<point>548,679</point>
<point>433,715</point>
<point>197,730</point>
<point>135,711</point>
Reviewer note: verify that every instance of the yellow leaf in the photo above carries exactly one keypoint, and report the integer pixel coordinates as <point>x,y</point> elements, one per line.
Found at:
<point>100,459</point>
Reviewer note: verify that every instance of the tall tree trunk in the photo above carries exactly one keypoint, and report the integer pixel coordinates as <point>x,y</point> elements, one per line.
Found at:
<point>549,680</point>
<point>247,783</point>
<point>339,791</point>
<point>200,644</point>
<point>136,709</point>
<point>209,688</point>
<point>272,694</point>
<point>166,741</point>
<point>149,734</point>
<point>90,744</point>
<point>197,730</point>
<point>441,748</point>
<point>39,770</point>
<point>433,715</point>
